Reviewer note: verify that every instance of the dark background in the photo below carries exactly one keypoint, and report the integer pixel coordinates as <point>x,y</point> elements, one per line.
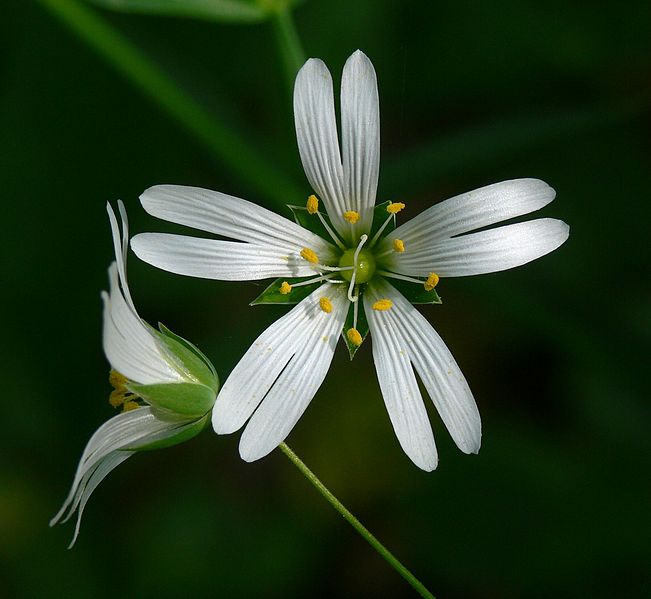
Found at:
<point>557,502</point>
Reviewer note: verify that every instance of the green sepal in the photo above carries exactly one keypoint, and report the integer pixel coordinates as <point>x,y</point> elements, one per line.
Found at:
<point>184,434</point>
<point>188,357</point>
<point>311,222</point>
<point>380,214</point>
<point>272,295</point>
<point>362,326</point>
<point>185,400</point>
<point>415,293</point>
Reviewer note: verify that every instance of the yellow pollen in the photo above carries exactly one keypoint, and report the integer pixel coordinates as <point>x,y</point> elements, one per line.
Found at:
<point>383,304</point>
<point>312,204</point>
<point>398,245</point>
<point>117,398</point>
<point>432,281</point>
<point>117,381</point>
<point>309,255</point>
<point>130,405</point>
<point>351,216</point>
<point>326,305</point>
<point>395,207</point>
<point>285,288</point>
<point>354,336</point>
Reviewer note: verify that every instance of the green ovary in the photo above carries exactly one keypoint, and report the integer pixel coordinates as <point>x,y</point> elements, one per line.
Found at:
<point>365,265</point>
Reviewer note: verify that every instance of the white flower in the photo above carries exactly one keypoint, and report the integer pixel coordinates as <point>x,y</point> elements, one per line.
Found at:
<point>278,376</point>
<point>164,384</point>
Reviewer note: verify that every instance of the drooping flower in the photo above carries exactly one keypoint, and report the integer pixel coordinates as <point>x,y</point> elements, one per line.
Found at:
<point>337,265</point>
<point>165,386</point>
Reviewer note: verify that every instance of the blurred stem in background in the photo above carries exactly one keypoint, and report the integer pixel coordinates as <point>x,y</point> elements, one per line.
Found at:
<point>225,145</point>
<point>289,45</point>
<point>418,586</point>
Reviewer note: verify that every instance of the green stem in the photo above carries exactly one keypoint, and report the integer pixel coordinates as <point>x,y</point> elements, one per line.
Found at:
<point>289,44</point>
<point>222,143</point>
<point>356,524</point>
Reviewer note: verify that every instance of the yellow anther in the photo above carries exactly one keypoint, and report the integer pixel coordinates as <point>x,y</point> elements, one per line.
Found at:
<point>354,336</point>
<point>395,207</point>
<point>118,381</point>
<point>326,305</point>
<point>432,281</point>
<point>309,255</point>
<point>383,304</point>
<point>285,288</point>
<point>312,204</point>
<point>351,216</point>
<point>130,405</point>
<point>117,398</point>
<point>398,245</point>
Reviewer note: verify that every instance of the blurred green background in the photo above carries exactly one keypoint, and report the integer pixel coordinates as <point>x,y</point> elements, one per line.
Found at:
<point>557,502</point>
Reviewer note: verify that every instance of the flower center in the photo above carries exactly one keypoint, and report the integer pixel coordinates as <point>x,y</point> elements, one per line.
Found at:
<point>365,265</point>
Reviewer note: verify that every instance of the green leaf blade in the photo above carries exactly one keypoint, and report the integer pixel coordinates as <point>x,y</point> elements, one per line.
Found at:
<point>272,295</point>
<point>223,11</point>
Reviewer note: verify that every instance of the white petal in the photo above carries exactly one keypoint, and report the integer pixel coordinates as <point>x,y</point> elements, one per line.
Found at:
<point>399,386</point>
<point>220,260</point>
<point>128,343</point>
<point>473,210</point>
<point>232,217</point>
<point>104,453</point>
<point>290,395</point>
<point>483,252</point>
<point>122,431</point>
<point>316,133</point>
<point>120,245</point>
<point>437,368</point>
<point>91,481</point>
<point>261,365</point>
<point>360,135</point>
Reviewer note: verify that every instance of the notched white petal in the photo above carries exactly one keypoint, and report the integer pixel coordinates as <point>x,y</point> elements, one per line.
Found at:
<point>435,365</point>
<point>292,392</point>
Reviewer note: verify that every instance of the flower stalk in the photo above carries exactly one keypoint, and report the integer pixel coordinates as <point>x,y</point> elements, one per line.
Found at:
<point>366,534</point>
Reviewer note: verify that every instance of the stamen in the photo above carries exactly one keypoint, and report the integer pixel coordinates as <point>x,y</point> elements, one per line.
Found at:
<point>382,305</point>
<point>351,216</point>
<point>313,280</point>
<point>332,234</point>
<point>326,305</point>
<point>312,204</point>
<point>117,398</point>
<point>117,380</point>
<point>398,245</point>
<point>354,336</point>
<point>395,207</point>
<point>394,275</point>
<point>362,241</point>
<point>355,311</point>
<point>130,405</point>
<point>432,281</point>
<point>309,255</point>
<point>285,288</point>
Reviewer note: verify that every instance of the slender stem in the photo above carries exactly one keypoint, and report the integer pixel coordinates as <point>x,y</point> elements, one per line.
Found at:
<point>356,524</point>
<point>222,143</point>
<point>289,44</point>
